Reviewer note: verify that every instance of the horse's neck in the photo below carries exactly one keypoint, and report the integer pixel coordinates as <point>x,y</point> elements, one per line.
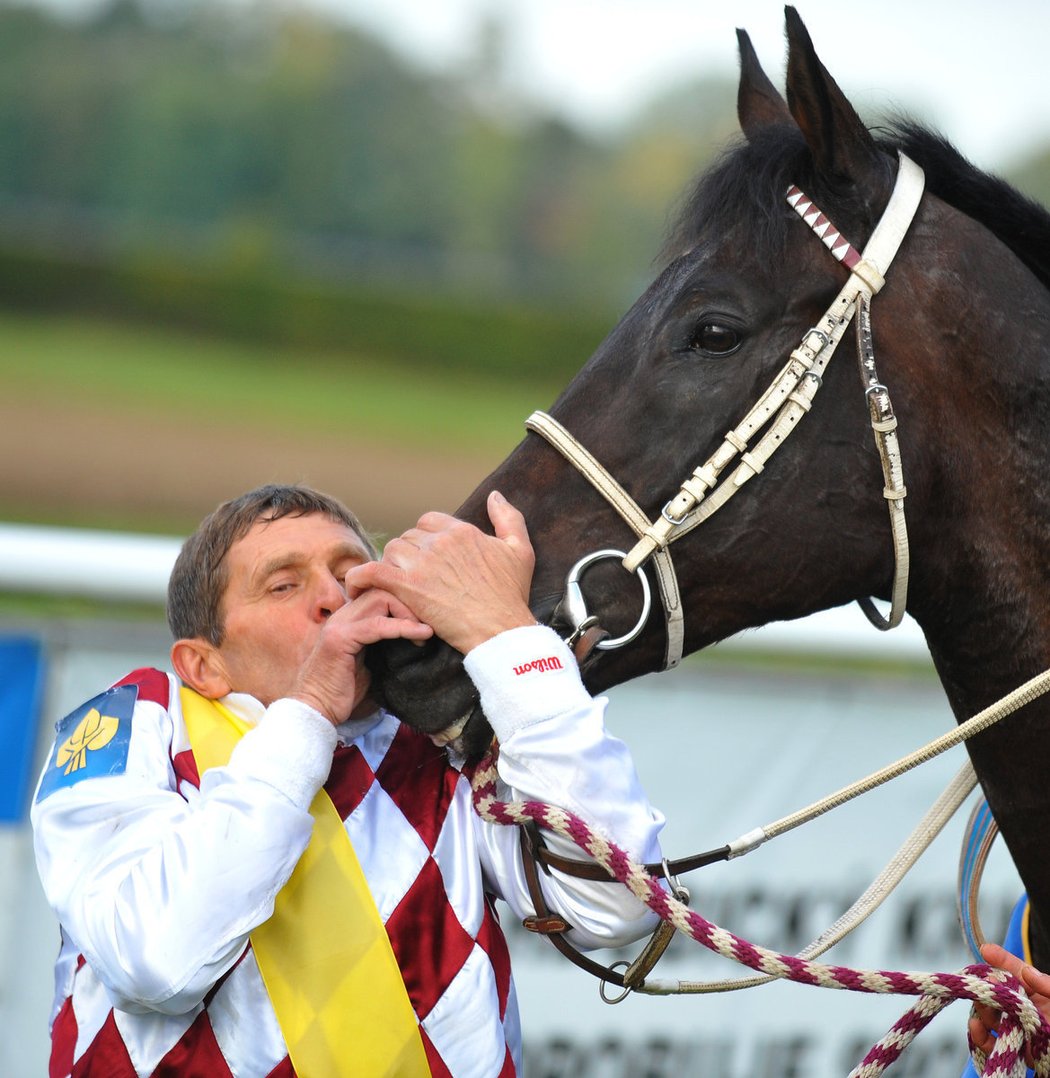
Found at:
<point>985,645</point>
<point>1012,762</point>
<point>981,551</point>
<point>980,544</point>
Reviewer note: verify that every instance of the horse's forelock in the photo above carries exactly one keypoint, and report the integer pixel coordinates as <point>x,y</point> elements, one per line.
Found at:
<point>744,189</point>
<point>745,186</point>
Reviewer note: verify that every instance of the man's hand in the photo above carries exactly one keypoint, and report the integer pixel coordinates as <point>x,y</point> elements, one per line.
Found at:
<point>334,679</point>
<point>468,585</point>
<point>984,1020</point>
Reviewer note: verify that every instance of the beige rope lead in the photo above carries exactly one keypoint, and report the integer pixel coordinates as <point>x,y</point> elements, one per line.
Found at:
<point>1024,694</point>
<point>916,844</point>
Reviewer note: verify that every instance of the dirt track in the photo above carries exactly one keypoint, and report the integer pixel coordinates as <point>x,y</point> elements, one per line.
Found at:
<point>92,464</point>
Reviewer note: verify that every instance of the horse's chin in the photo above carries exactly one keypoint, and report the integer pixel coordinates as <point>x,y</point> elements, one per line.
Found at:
<point>469,737</point>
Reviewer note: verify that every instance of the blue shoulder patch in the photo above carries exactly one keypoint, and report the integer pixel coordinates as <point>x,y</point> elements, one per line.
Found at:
<point>92,741</point>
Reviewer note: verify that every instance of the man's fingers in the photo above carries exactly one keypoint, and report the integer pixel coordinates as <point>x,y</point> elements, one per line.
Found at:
<point>1033,979</point>
<point>369,630</point>
<point>409,628</point>
<point>363,578</point>
<point>1002,959</point>
<point>981,1036</point>
<point>371,599</point>
<point>429,522</point>
<point>467,584</point>
<point>1037,982</point>
<point>397,609</point>
<point>989,1017</point>
<point>508,523</point>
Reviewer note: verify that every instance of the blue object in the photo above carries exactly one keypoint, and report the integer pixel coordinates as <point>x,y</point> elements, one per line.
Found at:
<point>21,684</point>
<point>91,742</point>
<point>977,830</point>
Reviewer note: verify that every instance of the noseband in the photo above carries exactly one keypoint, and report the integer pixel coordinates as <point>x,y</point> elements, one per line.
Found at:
<point>772,419</point>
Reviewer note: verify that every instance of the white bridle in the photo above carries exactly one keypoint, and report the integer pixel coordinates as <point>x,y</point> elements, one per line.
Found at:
<point>777,412</point>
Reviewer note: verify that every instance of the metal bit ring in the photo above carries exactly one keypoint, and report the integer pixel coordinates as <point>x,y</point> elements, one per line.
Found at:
<point>575,605</point>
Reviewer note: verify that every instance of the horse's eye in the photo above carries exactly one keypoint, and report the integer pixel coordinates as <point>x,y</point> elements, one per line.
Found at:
<point>715,339</point>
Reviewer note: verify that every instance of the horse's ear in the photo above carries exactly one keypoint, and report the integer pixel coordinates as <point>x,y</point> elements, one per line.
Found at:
<point>840,143</point>
<point>758,104</point>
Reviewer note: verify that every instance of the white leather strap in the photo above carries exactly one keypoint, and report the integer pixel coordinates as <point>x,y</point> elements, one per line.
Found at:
<point>884,427</point>
<point>885,241</point>
<point>777,412</point>
<point>791,394</point>
<point>586,463</point>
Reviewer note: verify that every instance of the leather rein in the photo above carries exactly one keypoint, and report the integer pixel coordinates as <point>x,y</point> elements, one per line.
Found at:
<point>771,420</point>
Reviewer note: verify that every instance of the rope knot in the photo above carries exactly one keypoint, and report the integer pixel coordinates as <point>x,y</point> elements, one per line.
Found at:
<point>1024,1035</point>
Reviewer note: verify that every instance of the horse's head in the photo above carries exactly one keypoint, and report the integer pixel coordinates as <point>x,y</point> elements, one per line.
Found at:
<point>744,279</point>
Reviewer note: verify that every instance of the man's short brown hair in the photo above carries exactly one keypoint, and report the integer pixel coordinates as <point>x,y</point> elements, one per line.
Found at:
<point>198,581</point>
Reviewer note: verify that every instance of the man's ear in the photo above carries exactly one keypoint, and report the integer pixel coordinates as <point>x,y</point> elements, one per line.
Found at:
<point>200,666</point>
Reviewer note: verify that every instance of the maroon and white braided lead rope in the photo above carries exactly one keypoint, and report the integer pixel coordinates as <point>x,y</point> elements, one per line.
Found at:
<point>1021,1025</point>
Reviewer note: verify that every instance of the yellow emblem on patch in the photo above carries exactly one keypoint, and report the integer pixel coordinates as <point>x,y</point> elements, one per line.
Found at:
<point>94,731</point>
<point>91,742</point>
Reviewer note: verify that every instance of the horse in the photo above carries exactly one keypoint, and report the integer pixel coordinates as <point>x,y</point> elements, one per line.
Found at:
<point>961,332</point>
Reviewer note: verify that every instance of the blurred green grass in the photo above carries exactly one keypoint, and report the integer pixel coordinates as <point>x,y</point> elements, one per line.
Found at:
<point>80,360</point>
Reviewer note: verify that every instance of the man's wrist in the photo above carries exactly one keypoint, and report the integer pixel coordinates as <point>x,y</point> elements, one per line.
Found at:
<point>290,748</point>
<point>315,703</point>
<point>474,636</point>
<point>525,675</point>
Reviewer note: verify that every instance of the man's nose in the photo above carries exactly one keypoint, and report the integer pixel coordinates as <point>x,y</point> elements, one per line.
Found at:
<point>330,597</point>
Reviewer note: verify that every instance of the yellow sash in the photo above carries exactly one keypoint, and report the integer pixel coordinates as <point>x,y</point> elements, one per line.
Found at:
<point>324,955</point>
<point>1025,921</point>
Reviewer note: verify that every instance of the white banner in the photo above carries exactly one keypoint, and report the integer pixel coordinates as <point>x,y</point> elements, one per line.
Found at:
<point>721,753</point>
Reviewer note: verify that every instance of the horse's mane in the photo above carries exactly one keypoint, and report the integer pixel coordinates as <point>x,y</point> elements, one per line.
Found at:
<point>748,182</point>
<point>1020,222</point>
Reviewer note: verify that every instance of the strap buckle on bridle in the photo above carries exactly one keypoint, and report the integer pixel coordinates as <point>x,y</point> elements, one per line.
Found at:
<point>670,517</point>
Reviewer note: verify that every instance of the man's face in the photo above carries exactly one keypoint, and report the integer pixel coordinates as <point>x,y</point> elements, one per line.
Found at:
<point>285,580</point>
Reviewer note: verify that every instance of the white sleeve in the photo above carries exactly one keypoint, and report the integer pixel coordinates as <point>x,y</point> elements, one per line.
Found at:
<point>159,890</point>
<point>554,747</point>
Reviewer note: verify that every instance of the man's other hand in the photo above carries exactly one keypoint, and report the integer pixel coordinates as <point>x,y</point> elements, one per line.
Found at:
<point>467,585</point>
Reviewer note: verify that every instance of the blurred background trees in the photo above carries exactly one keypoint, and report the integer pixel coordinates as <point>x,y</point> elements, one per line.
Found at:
<point>288,144</point>
<point>273,177</point>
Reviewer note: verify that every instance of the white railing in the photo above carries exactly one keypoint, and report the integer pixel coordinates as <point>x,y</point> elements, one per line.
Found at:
<point>126,567</point>
<point>78,562</point>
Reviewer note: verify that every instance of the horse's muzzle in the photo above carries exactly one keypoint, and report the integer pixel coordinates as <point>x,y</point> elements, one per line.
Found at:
<point>426,687</point>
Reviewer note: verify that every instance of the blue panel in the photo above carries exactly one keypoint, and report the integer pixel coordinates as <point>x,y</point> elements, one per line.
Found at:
<point>92,741</point>
<point>21,685</point>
